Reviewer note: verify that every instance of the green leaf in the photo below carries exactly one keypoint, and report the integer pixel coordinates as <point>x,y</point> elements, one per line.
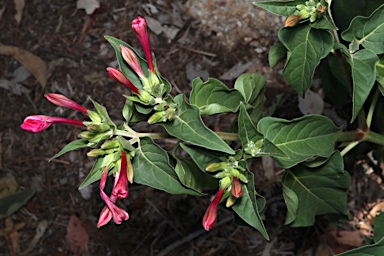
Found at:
<point>283,8</point>
<point>307,46</point>
<point>247,206</point>
<point>367,31</point>
<point>363,75</point>
<point>201,156</point>
<point>344,11</point>
<point>73,145</point>
<point>124,67</point>
<point>301,138</point>
<point>378,227</point>
<point>151,167</point>
<point>191,177</point>
<point>292,202</point>
<point>367,250</point>
<point>128,110</point>
<point>13,202</point>
<point>276,54</point>
<point>189,127</point>
<point>102,111</point>
<point>95,173</point>
<point>324,22</point>
<point>380,74</point>
<point>320,190</point>
<point>214,97</point>
<point>251,86</point>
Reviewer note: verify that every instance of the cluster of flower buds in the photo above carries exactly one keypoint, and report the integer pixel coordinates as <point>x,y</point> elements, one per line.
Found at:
<point>119,191</point>
<point>230,175</point>
<point>310,9</point>
<point>153,88</point>
<point>254,148</point>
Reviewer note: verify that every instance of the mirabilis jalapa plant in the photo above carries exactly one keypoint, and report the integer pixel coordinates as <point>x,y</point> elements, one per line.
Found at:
<point>314,182</point>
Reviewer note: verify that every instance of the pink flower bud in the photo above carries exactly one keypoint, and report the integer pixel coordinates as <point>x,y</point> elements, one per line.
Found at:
<point>210,215</point>
<point>120,189</point>
<point>140,26</point>
<point>62,101</point>
<point>236,189</point>
<point>38,123</point>
<point>130,57</point>
<point>116,75</point>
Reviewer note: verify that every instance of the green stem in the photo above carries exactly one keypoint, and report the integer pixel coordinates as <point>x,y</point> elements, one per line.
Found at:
<point>350,136</point>
<point>374,138</point>
<point>372,107</point>
<point>362,121</point>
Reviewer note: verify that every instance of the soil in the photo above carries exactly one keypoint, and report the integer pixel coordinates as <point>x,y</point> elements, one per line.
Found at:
<point>218,39</point>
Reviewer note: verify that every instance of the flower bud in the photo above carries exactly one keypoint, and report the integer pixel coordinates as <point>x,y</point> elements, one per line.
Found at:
<point>292,20</point>
<point>236,189</point>
<point>110,144</point>
<point>214,167</point>
<point>94,116</point>
<point>225,182</point>
<point>86,135</point>
<point>99,152</point>
<point>158,117</point>
<point>144,96</point>
<point>101,136</point>
<point>230,201</point>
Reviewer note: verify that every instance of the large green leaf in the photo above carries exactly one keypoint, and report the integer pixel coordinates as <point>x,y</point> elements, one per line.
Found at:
<point>283,8</point>
<point>379,227</point>
<point>301,138</point>
<point>73,145</point>
<point>276,54</point>
<point>247,206</point>
<point>343,11</point>
<point>214,97</point>
<point>307,46</point>
<point>192,177</point>
<point>124,67</point>
<point>188,126</point>
<point>380,74</point>
<point>201,156</point>
<point>364,77</point>
<point>151,167</point>
<point>366,31</point>
<point>319,190</point>
<point>251,86</point>
<point>13,202</point>
<point>367,250</point>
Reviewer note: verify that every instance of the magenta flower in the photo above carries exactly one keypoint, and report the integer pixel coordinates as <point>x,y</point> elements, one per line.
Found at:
<point>130,57</point>
<point>111,210</point>
<point>210,215</point>
<point>140,26</point>
<point>118,76</point>
<point>62,101</point>
<point>120,189</point>
<point>38,123</point>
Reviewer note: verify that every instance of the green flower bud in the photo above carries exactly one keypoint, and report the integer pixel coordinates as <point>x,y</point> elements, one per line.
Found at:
<point>86,135</point>
<point>243,178</point>
<point>157,90</point>
<point>214,167</point>
<point>231,200</point>
<point>234,172</point>
<point>225,182</point>
<point>304,14</point>
<point>101,136</point>
<point>313,17</point>
<point>158,117</point>
<point>98,127</point>
<point>110,144</point>
<point>153,80</point>
<point>94,116</point>
<point>99,152</point>
<point>144,96</point>
<point>221,175</point>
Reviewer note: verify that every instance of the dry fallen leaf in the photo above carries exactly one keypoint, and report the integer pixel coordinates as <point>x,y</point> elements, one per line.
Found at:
<point>33,63</point>
<point>19,7</point>
<point>77,236</point>
<point>90,6</point>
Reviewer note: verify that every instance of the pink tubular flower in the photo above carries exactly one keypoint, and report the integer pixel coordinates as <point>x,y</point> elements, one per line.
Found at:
<point>111,210</point>
<point>118,76</point>
<point>210,215</point>
<point>140,26</point>
<point>62,101</point>
<point>130,57</point>
<point>38,123</point>
<point>120,189</point>
<point>236,189</point>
